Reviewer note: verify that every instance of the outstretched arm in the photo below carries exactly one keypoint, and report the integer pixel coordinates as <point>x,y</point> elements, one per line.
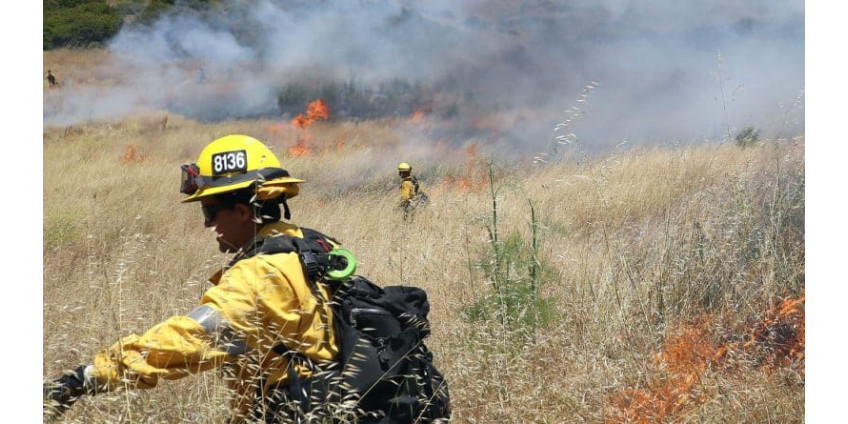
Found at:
<point>175,348</point>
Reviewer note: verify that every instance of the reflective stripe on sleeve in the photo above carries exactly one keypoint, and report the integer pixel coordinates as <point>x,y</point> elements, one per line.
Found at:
<point>215,325</point>
<point>207,317</point>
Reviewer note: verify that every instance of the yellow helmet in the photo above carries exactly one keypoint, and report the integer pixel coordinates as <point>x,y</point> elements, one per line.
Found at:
<point>404,167</point>
<point>233,163</point>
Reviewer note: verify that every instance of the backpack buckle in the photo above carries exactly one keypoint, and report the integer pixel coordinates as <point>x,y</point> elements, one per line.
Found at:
<point>310,265</point>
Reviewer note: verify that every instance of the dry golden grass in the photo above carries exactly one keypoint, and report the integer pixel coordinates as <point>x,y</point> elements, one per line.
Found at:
<point>640,243</point>
<point>84,67</point>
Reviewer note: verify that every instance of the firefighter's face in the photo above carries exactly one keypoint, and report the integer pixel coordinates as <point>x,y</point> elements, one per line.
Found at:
<point>234,226</point>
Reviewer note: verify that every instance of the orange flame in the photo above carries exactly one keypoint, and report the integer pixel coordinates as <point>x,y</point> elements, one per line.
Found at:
<point>776,341</point>
<point>340,141</point>
<point>317,109</point>
<point>779,339</point>
<point>686,355</point>
<point>475,177</point>
<point>131,155</point>
<point>300,148</point>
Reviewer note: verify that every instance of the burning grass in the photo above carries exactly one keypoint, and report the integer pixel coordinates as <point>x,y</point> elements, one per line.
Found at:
<point>776,341</point>
<point>317,110</point>
<point>472,175</point>
<point>132,155</point>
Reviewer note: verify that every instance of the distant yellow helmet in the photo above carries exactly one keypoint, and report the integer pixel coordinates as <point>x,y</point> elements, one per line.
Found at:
<point>233,163</point>
<point>404,167</point>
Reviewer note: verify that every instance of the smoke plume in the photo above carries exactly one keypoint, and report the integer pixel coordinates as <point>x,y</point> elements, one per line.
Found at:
<point>516,73</point>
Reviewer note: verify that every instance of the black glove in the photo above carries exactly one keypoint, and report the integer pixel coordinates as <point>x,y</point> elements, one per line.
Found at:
<point>61,393</point>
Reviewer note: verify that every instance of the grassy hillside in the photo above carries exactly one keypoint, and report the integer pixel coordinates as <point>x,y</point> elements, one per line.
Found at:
<point>650,285</point>
<point>79,23</point>
<point>92,23</point>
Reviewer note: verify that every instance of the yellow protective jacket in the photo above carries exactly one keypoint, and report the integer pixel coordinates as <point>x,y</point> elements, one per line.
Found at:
<point>407,190</point>
<point>256,304</point>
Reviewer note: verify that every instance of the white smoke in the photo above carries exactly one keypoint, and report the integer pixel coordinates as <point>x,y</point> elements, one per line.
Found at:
<point>660,66</point>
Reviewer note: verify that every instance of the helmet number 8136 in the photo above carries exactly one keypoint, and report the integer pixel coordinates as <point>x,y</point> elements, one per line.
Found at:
<point>229,162</point>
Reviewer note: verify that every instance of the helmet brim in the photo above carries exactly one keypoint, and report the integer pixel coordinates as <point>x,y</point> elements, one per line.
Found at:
<point>211,191</point>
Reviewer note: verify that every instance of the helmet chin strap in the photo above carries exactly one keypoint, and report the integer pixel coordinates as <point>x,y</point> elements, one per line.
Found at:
<point>230,247</point>
<point>257,207</point>
<point>286,210</point>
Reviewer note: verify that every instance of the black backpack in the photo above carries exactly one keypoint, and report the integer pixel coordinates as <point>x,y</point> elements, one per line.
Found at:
<point>384,372</point>
<point>421,197</point>
<point>416,185</point>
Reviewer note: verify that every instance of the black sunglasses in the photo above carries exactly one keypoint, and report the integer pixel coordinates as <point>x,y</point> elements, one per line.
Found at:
<point>211,211</point>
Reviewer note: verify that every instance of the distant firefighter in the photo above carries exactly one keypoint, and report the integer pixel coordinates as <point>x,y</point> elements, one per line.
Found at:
<point>411,195</point>
<point>51,79</point>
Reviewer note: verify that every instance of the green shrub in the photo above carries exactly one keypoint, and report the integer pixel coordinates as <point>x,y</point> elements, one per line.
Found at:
<point>78,23</point>
<point>518,277</point>
<point>747,137</point>
<point>517,273</point>
<point>61,229</point>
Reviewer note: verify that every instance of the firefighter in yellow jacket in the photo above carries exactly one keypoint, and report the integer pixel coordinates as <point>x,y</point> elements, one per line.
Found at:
<point>257,305</point>
<point>411,195</point>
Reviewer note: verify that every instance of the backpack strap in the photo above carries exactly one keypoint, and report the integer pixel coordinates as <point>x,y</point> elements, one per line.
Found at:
<point>314,253</point>
<point>415,185</point>
<point>313,250</point>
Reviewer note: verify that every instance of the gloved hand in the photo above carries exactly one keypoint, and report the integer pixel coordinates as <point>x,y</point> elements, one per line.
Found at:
<point>61,393</point>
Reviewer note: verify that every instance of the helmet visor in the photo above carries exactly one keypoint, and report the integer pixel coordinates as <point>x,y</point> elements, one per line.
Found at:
<point>191,180</point>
